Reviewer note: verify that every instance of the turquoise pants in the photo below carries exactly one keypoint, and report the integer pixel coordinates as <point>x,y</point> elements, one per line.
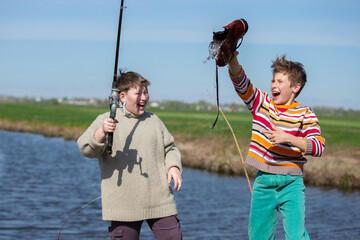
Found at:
<point>274,192</point>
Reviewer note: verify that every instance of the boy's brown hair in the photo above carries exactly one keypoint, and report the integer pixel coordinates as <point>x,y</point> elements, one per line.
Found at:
<point>295,71</point>
<point>127,80</point>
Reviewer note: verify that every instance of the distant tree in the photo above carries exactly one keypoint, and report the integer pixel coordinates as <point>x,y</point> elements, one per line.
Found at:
<point>53,101</point>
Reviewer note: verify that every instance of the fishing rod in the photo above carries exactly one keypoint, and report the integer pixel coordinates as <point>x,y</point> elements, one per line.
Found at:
<point>114,100</point>
<point>114,97</point>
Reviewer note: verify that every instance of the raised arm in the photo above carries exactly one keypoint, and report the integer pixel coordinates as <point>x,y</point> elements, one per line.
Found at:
<point>234,66</point>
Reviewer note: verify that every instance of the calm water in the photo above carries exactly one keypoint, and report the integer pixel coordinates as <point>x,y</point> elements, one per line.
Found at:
<point>44,180</point>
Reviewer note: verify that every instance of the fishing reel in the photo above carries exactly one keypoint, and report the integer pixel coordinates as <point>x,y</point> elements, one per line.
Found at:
<point>114,99</point>
<point>114,102</point>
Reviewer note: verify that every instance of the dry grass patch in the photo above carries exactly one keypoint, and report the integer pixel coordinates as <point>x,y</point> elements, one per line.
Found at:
<point>339,167</point>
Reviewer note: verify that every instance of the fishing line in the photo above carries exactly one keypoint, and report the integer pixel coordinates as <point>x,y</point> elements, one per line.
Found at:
<point>236,142</point>
<point>76,212</point>
<point>349,236</point>
<point>213,51</point>
<point>217,96</point>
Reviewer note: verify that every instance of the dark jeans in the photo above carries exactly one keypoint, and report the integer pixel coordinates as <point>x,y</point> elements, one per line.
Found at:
<point>163,229</point>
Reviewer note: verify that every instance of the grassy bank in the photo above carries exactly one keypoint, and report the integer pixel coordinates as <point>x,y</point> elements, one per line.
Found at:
<point>202,147</point>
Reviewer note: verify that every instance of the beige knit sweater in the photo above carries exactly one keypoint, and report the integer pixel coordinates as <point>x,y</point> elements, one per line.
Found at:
<point>133,179</point>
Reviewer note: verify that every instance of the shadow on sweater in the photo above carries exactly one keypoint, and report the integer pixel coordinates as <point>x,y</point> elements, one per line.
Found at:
<point>128,160</point>
<point>128,157</point>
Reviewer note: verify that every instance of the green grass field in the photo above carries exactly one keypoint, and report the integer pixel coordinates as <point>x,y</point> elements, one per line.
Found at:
<point>338,131</point>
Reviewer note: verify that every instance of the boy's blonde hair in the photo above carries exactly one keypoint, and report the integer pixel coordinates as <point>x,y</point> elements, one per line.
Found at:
<point>127,80</point>
<point>295,71</point>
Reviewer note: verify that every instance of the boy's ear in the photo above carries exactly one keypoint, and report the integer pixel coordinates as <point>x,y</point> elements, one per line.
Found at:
<point>297,88</point>
<point>122,97</point>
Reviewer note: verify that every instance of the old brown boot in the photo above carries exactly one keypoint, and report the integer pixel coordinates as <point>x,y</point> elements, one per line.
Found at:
<point>229,38</point>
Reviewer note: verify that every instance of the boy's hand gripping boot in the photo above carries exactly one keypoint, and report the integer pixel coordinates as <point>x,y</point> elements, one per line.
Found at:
<point>229,38</point>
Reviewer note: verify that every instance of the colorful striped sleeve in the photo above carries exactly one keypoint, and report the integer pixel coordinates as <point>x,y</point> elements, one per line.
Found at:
<point>251,96</point>
<point>315,143</point>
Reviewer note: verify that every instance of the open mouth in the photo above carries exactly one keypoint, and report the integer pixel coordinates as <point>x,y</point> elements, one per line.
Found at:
<point>141,106</point>
<point>275,94</point>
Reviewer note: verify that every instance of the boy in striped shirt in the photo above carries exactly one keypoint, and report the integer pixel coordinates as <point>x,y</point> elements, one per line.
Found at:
<point>283,133</point>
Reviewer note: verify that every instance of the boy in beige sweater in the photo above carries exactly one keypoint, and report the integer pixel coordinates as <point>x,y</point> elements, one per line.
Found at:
<point>134,185</point>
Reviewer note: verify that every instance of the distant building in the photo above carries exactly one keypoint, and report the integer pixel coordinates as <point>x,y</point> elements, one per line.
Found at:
<point>154,104</point>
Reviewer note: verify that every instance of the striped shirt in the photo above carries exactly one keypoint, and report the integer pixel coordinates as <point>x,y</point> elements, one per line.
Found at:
<point>295,119</point>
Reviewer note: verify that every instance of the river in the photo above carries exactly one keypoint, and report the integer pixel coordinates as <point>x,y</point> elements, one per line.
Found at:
<point>44,180</point>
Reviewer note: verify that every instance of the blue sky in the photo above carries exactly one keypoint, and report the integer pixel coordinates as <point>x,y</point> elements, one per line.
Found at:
<point>66,48</point>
